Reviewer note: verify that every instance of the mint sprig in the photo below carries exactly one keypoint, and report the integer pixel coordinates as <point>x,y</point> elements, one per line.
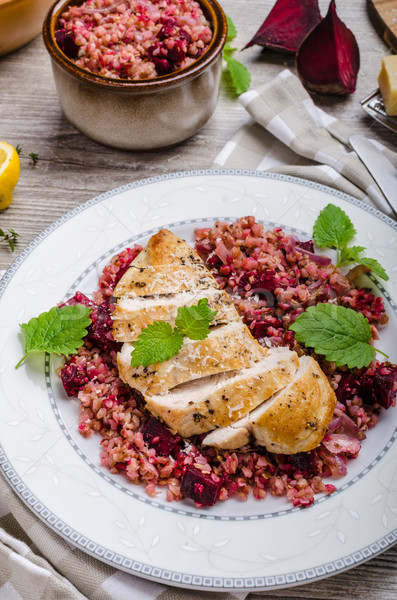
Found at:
<point>159,341</point>
<point>341,334</point>
<point>334,229</point>
<point>59,331</point>
<point>239,76</point>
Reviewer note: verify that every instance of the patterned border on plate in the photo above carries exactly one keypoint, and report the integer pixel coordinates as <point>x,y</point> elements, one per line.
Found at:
<point>134,567</point>
<point>184,579</point>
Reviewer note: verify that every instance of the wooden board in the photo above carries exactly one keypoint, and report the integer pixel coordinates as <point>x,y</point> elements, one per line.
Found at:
<point>383,14</point>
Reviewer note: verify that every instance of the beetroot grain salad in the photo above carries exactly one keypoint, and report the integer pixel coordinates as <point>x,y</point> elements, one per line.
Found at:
<point>134,39</point>
<point>271,277</point>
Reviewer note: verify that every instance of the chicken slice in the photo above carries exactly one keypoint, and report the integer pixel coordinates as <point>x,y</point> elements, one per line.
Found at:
<point>166,265</point>
<point>218,400</point>
<point>133,314</point>
<point>228,347</point>
<point>293,420</point>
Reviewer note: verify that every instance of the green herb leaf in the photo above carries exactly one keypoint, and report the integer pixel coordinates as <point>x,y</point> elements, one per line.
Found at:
<point>375,267</point>
<point>60,330</point>
<point>351,254</point>
<point>231,30</point>
<point>195,321</point>
<point>32,155</point>
<point>341,334</point>
<point>239,75</point>
<point>333,228</point>
<point>10,237</point>
<point>156,343</point>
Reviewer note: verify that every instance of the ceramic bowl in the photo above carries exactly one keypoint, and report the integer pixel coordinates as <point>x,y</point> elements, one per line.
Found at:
<point>20,22</point>
<point>144,114</point>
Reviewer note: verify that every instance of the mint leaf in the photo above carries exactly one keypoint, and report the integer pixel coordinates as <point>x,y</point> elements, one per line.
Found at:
<point>352,255</point>
<point>341,334</point>
<point>159,341</point>
<point>194,321</point>
<point>60,330</point>
<point>231,30</point>
<point>333,228</point>
<point>375,267</point>
<point>239,75</point>
<point>156,343</point>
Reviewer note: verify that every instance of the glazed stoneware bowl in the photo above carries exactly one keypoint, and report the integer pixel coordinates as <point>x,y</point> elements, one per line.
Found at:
<point>145,114</point>
<point>20,22</point>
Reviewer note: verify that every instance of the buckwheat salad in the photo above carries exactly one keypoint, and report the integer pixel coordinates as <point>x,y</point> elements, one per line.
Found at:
<point>272,278</point>
<point>133,39</point>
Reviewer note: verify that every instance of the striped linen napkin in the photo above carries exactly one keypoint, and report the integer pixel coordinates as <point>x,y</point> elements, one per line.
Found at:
<point>287,133</point>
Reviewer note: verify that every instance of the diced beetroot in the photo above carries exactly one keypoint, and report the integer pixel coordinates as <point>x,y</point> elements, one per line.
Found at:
<point>309,246</point>
<point>78,298</point>
<point>305,462</point>
<point>347,387</point>
<point>200,487</point>
<point>74,377</point>
<point>260,282</point>
<point>260,327</point>
<point>380,387</point>
<point>100,332</point>
<point>160,438</point>
<point>66,42</point>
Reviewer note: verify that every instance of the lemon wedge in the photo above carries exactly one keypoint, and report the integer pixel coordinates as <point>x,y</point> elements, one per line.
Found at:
<point>9,173</point>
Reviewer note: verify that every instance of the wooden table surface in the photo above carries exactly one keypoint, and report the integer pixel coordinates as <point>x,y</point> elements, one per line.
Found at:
<point>72,169</point>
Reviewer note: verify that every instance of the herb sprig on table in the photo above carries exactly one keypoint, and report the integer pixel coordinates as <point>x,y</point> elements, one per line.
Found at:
<point>238,74</point>
<point>10,237</point>
<point>159,341</point>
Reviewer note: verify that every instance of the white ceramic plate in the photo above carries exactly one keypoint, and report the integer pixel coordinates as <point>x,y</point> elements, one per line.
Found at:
<point>256,545</point>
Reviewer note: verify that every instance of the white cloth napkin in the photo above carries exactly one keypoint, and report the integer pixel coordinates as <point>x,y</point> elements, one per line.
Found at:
<point>287,133</point>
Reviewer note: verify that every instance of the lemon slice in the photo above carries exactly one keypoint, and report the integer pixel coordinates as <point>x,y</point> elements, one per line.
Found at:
<point>9,173</point>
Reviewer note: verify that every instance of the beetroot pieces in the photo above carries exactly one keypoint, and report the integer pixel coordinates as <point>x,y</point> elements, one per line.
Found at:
<point>65,40</point>
<point>200,487</point>
<point>328,59</point>
<point>160,438</point>
<point>380,387</point>
<point>287,24</point>
<point>74,377</point>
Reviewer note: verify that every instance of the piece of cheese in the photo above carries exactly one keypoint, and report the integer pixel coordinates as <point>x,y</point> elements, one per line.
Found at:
<point>387,81</point>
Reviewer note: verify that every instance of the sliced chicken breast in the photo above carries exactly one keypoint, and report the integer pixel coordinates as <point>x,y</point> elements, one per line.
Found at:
<point>293,420</point>
<point>133,314</point>
<point>216,401</point>
<point>166,265</point>
<point>228,347</point>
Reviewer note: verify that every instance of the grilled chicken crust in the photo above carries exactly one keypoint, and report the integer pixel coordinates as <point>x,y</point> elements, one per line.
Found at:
<point>294,420</point>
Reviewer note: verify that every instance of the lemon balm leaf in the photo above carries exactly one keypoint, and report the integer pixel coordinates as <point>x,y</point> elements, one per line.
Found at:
<point>341,334</point>
<point>332,228</point>
<point>231,30</point>
<point>58,331</point>
<point>239,75</point>
<point>156,343</point>
<point>351,254</point>
<point>159,341</point>
<point>195,320</point>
